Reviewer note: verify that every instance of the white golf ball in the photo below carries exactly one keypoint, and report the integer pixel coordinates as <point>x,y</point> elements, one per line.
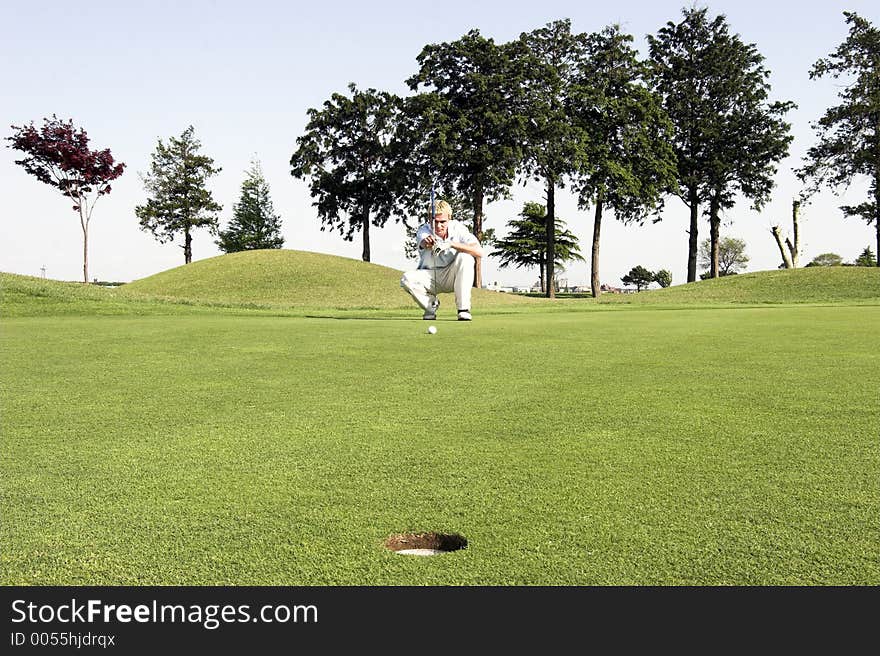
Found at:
<point>432,330</point>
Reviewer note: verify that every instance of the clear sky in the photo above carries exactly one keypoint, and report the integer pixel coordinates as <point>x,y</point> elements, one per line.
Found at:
<point>245,73</point>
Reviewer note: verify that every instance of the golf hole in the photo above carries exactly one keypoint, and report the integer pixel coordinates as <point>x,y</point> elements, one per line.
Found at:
<point>425,544</point>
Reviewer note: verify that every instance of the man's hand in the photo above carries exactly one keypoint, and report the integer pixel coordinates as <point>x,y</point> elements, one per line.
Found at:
<point>441,247</point>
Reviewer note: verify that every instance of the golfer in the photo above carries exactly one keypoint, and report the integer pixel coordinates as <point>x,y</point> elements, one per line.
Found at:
<point>447,251</point>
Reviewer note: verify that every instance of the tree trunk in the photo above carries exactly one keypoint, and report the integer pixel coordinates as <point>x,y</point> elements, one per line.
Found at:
<point>85,229</point>
<point>551,236</point>
<point>877,221</point>
<point>714,230</point>
<point>594,267</point>
<point>877,213</point>
<point>694,203</point>
<point>365,256</point>
<point>187,246</point>
<point>478,233</point>
<point>786,257</point>
<point>794,248</point>
<point>789,251</point>
<point>541,276</point>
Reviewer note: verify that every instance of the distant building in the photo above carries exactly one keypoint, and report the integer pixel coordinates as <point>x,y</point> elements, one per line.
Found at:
<point>495,287</point>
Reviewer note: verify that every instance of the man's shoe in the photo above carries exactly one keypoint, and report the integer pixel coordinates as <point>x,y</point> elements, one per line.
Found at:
<point>464,315</point>
<point>431,313</point>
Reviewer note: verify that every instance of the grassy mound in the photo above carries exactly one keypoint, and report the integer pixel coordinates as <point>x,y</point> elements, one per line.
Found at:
<point>294,282</point>
<point>30,296</point>
<point>287,278</point>
<point>809,285</point>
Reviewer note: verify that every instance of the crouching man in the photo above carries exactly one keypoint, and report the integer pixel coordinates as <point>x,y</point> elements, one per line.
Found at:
<point>447,250</point>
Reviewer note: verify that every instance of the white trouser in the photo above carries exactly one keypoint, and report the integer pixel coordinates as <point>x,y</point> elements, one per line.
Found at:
<point>458,277</point>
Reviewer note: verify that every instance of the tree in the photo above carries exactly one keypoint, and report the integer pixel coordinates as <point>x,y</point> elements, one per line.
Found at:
<point>58,155</point>
<point>628,161</point>
<point>790,251</point>
<point>826,259</point>
<point>638,276</point>
<point>866,259</point>
<point>547,61</point>
<point>663,278</point>
<point>731,256</point>
<point>469,137</point>
<point>727,138</point>
<point>849,133</point>
<point>179,201</point>
<point>525,244</point>
<point>350,150</point>
<point>254,223</point>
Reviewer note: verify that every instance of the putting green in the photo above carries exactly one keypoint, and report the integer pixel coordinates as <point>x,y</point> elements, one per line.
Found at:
<point>637,446</point>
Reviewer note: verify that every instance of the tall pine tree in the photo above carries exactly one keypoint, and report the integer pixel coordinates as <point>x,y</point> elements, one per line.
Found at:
<point>254,223</point>
<point>179,201</point>
<point>629,162</point>
<point>727,137</point>
<point>546,63</point>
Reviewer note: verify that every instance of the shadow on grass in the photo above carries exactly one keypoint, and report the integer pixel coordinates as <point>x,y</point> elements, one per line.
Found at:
<point>363,318</point>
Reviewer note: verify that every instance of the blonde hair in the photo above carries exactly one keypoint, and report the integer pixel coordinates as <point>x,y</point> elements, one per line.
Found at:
<point>442,207</point>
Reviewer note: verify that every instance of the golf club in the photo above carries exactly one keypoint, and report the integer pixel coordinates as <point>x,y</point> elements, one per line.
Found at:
<point>433,248</point>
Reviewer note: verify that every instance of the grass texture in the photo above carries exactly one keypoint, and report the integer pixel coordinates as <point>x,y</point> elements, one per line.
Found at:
<point>195,445</point>
<point>291,279</point>
<point>808,285</point>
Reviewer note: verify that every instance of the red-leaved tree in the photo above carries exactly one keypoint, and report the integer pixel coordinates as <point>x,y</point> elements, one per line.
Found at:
<point>58,154</point>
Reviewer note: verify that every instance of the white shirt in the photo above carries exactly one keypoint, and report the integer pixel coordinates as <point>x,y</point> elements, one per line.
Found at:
<point>455,231</point>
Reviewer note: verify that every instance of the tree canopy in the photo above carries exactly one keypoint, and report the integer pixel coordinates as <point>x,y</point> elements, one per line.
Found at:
<point>351,153</point>
<point>628,163</point>
<point>849,133</point>
<point>826,259</point>
<point>638,276</point>
<point>663,278</point>
<point>465,130</point>
<point>254,223</point>
<point>731,256</point>
<point>866,258</point>
<point>728,137</point>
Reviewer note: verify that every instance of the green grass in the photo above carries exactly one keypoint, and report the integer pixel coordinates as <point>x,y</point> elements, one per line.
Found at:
<point>809,285</point>
<point>285,279</point>
<point>269,281</point>
<point>191,444</point>
<point>299,283</point>
<point>27,296</point>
